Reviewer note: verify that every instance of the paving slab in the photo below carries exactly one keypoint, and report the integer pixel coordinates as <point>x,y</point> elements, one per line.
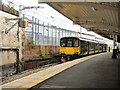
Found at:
<point>35,78</point>
<point>98,72</point>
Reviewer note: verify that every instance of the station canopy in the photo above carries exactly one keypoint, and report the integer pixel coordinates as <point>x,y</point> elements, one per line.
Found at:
<point>99,17</point>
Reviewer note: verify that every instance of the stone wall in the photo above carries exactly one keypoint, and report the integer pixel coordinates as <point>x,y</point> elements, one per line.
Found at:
<point>13,39</point>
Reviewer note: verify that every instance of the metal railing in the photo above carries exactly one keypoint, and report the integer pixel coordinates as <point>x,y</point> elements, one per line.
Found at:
<point>46,34</point>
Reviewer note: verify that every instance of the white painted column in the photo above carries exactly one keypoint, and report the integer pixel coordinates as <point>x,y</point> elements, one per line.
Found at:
<point>114,41</point>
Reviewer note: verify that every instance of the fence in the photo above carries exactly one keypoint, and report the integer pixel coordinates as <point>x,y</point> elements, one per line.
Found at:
<point>45,34</point>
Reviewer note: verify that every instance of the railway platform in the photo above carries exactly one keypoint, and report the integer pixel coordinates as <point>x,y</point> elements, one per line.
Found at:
<point>94,71</point>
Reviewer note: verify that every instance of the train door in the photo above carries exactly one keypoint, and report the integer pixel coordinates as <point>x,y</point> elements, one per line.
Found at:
<point>84,47</point>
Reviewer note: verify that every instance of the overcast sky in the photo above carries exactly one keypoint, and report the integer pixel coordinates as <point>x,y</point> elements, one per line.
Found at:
<point>49,15</point>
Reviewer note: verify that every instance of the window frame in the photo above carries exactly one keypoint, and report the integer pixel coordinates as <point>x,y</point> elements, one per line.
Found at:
<point>69,39</point>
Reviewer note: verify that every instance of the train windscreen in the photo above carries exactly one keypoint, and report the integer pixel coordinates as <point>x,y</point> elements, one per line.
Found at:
<point>69,42</point>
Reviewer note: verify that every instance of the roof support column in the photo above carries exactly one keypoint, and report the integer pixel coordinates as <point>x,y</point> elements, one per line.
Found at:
<point>114,41</point>
<point>115,52</point>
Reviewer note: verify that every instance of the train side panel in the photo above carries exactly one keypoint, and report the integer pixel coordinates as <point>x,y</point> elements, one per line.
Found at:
<point>96,47</point>
<point>83,47</point>
<point>100,48</point>
<point>104,47</point>
<point>91,48</point>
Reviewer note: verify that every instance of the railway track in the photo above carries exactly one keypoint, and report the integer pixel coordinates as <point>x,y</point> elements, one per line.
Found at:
<point>44,64</point>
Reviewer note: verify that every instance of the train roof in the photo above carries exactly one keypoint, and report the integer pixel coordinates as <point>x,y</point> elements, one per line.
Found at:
<point>70,37</point>
<point>85,39</point>
<point>89,40</point>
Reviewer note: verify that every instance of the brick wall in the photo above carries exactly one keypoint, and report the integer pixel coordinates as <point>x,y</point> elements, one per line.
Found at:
<point>32,52</point>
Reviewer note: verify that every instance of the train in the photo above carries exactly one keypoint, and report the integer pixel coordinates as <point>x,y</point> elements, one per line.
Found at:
<point>74,47</point>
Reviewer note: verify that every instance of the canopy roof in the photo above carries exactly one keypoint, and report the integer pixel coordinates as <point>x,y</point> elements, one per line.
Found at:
<point>100,17</point>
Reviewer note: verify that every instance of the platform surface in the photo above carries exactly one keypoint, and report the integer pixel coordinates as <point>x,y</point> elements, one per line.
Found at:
<point>98,72</point>
<point>93,71</point>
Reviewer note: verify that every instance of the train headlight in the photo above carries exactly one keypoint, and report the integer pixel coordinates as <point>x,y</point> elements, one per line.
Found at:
<point>62,53</point>
<point>75,52</point>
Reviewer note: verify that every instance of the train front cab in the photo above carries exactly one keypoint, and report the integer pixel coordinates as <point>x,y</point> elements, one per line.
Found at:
<point>69,48</point>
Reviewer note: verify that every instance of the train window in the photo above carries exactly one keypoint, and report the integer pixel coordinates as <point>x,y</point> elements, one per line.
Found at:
<point>75,43</point>
<point>63,42</point>
<point>69,43</point>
